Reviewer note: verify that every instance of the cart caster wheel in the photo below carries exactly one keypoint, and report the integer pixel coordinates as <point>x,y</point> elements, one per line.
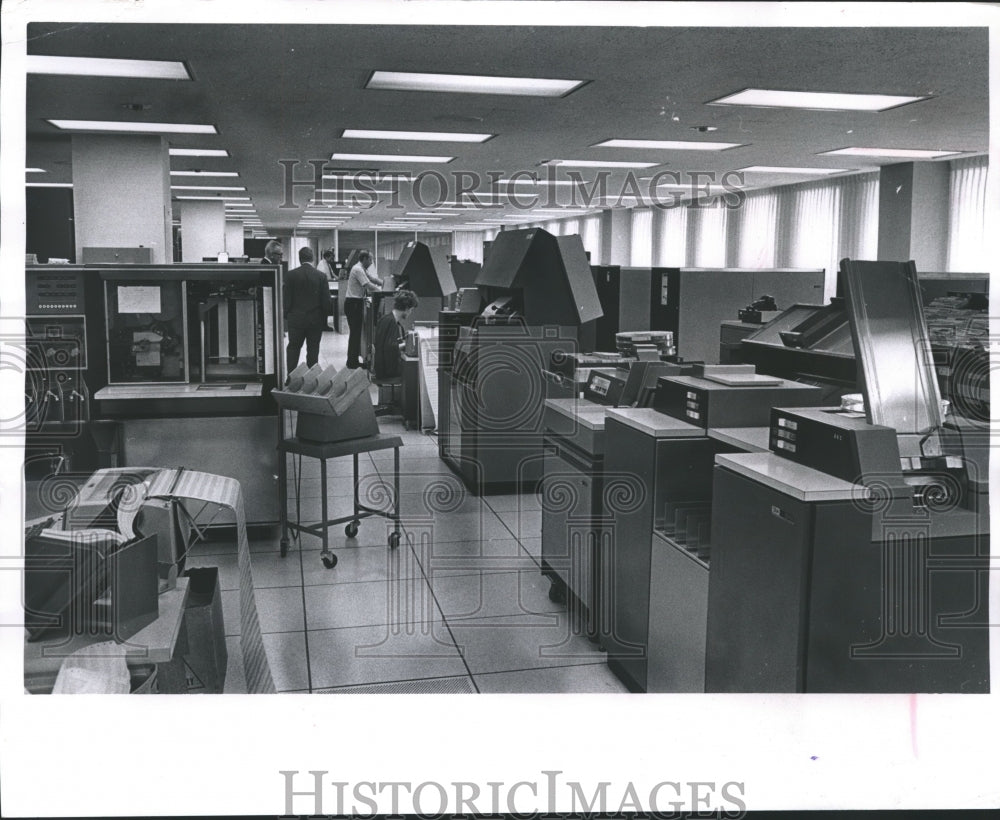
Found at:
<point>284,547</point>
<point>394,538</point>
<point>329,560</point>
<point>351,529</point>
<point>557,593</point>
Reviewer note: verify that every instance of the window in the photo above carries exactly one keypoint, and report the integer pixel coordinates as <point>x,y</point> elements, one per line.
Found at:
<point>710,236</point>
<point>756,223</point>
<point>641,251</point>
<point>672,230</point>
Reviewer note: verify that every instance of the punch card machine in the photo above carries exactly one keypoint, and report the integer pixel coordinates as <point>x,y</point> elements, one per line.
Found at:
<point>655,574</point>
<point>853,556</point>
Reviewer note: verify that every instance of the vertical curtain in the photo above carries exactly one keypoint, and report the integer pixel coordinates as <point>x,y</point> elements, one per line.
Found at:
<point>858,216</point>
<point>468,245</point>
<point>641,251</point>
<point>756,223</point>
<point>671,247</point>
<point>820,223</point>
<point>710,236</point>
<point>967,215</point>
<point>810,215</point>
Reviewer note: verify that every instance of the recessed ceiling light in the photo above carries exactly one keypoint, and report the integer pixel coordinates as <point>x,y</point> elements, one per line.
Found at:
<point>214,198</point>
<point>913,153</point>
<point>204,174</point>
<point>600,163</point>
<point>49,184</point>
<point>677,145</point>
<point>326,194</point>
<point>134,127</point>
<point>784,169</point>
<point>822,100</point>
<point>389,158</point>
<point>418,136</point>
<point>35,171</point>
<point>107,67</point>
<point>207,188</point>
<point>198,152</point>
<point>369,176</point>
<point>562,211</point>
<point>539,181</point>
<point>471,84</point>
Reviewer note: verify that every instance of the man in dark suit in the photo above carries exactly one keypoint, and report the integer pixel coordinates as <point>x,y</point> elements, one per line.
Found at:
<point>307,304</point>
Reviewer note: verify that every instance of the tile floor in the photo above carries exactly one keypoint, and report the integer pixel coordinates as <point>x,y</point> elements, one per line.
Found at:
<point>460,606</point>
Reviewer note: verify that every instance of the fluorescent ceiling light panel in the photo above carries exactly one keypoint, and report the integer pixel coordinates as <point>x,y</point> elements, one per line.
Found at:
<point>199,152</point>
<point>326,193</point>
<point>389,158</point>
<point>207,188</point>
<point>368,177</point>
<point>471,84</point>
<point>48,184</point>
<point>821,100</point>
<point>542,181</point>
<point>418,136</point>
<point>600,163</point>
<point>912,153</point>
<point>563,212</point>
<point>782,169</point>
<point>35,171</point>
<point>107,67</point>
<point>134,127</point>
<point>671,145</point>
<point>204,174</point>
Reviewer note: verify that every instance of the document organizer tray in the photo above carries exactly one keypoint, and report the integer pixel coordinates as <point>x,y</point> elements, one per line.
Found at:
<point>331,405</point>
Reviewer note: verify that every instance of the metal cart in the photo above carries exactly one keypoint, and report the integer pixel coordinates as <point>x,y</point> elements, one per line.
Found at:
<point>324,452</point>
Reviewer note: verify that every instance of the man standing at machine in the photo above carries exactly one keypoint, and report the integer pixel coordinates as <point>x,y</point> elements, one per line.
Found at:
<point>273,253</point>
<point>306,304</point>
<point>358,284</point>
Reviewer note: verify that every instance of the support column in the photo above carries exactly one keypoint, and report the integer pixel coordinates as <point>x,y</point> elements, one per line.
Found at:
<point>621,237</point>
<point>203,229</point>
<point>913,214</point>
<point>121,194</point>
<point>234,239</point>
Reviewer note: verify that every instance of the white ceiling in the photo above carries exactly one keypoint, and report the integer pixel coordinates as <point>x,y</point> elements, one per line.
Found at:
<point>285,92</point>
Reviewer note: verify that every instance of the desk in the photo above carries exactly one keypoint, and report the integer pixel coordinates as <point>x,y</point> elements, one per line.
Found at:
<point>323,452</point>
<point>154,644</point>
